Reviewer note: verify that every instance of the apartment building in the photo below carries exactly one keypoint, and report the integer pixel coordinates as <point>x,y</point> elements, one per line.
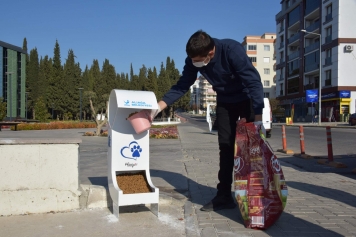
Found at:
<point>316,40</point>
<point>202,94</point>
<point>261,51</point>
<point>13,79</point>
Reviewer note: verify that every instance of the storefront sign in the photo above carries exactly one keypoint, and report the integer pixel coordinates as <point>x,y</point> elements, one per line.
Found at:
<point>312,96</point>
<point>337,94</point>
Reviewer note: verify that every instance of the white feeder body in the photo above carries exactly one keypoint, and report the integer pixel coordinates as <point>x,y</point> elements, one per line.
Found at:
<point>128,152</point>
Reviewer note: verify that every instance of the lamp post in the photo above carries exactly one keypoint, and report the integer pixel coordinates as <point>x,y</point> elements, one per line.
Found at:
<point>80,115</point>
<point>26,94</point>
<point>9,84</point>
<point>320,39</point>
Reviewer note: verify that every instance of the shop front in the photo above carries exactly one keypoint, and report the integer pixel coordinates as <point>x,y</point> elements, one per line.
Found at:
<point>335,107</point>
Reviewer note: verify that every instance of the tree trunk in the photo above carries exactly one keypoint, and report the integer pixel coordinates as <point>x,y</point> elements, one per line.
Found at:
<point>99,123</point>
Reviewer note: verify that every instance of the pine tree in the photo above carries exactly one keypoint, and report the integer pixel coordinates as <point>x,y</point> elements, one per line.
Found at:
<point>55,83</point>
<point>151,83</point>
<point>32,81</point>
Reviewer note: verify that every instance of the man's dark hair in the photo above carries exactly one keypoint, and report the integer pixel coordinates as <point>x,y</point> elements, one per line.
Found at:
<point>199,44</point>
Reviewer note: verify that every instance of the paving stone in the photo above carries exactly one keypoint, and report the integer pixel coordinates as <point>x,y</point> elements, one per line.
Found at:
<point>208,232</point>
<point>222,227</point>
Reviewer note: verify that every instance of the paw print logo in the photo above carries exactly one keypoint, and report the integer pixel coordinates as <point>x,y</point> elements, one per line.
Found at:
<point>136,150</point>
<point>132,151</point>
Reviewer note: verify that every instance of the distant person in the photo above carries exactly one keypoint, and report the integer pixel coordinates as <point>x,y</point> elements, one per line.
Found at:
<point>224,63</point>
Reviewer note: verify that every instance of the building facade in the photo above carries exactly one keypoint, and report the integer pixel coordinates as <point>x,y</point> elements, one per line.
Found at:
<point>261,51</point>
<point>13,79</point>
<point>202,94</point>
<point>310,32</point>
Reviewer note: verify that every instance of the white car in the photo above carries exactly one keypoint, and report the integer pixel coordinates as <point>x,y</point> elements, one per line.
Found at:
<point>267,117</point>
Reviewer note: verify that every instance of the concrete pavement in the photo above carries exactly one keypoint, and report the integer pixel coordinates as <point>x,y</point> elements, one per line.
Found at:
<point>185,170</point>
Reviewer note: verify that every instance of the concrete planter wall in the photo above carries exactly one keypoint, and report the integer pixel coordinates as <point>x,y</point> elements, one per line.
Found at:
<point>39,175</point>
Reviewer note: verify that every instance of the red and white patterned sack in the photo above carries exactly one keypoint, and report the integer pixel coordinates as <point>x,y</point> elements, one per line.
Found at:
<point>260,189</point>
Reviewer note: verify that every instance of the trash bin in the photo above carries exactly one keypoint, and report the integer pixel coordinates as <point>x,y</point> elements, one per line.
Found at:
<point>128,152</point>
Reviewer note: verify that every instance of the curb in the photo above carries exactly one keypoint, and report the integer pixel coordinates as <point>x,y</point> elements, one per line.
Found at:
<point>288,152</point>
<point>332,163</point>
<point>304,156</point>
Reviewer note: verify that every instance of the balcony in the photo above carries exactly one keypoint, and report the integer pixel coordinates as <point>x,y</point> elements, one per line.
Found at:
<point>281,78</point>
<point>281,60</point>
<point>328,17</point>
<point>281,29</point>
<point>293,38</point>
<point>328,61</point>
<point>311,47</point>
<point>281,45</point>
<point>311,6</point>
<point>293,55</point>
<point>311,67</point>
<point>313,26</point>
<point>328,39</point>
<point>293,72</point>
<point>309,86</point>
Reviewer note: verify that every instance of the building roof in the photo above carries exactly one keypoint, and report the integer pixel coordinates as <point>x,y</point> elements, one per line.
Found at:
<point>12,47</point>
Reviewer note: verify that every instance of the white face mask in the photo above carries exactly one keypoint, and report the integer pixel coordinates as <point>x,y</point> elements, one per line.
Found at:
<point>202,63</point>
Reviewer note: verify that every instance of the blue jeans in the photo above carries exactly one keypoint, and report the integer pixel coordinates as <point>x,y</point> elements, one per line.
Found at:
<point>227,115</point>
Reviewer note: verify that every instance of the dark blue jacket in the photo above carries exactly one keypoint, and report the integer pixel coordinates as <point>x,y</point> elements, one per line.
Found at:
<point>230,72</point>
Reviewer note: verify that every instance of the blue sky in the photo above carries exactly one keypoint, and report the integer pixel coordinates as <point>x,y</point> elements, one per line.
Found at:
<point>141,32</point>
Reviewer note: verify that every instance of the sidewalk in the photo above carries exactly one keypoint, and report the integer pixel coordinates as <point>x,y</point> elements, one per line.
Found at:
<point>185,170</point>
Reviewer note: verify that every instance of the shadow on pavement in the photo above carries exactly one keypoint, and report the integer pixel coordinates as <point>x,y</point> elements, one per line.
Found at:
<point>337,195</point>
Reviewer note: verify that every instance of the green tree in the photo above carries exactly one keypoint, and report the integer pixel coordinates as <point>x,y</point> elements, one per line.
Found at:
<point>41,110</point>
<point>55,83</point>
<point>32,85</point>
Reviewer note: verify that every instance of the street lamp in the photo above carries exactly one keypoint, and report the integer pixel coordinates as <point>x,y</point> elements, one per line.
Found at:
<point>9,84</point>
<point>80,89</point>
<point>320,39</point>
<point>26,94</point>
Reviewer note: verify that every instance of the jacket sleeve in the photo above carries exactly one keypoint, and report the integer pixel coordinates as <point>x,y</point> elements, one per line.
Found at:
<point>187,79</point>
<point>250,77</point>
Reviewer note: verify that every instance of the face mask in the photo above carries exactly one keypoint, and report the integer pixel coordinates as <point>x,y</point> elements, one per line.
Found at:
<point>202,63</point>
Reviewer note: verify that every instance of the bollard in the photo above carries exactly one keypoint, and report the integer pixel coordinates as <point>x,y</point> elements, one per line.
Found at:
<point>329,144</point>
<point>284,142</point>
<point>301,134</point>
<point>330,160</point>
<point>284,139</point>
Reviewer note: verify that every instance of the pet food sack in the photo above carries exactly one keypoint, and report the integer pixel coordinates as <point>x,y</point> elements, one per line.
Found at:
<point>260,188</point>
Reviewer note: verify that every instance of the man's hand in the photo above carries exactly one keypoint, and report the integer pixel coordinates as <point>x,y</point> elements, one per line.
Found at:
<point>260,128</point>
<point>152,113</point>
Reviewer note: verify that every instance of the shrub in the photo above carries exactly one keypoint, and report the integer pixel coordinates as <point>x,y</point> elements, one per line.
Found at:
<point>55,125</point>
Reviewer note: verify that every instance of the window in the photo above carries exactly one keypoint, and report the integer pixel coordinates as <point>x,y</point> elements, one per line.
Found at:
<point>266,47</point>
<point>266,59</point>
<point>328,34</point>
<point>266,71</point>
<point>265,83</point>
<point>329,13</point>
<point>293,85</point>
<point>252,47</point>
<point>328,57</point>
<point>252,59</point>
<point>328,78</point>
<point>266,94</point>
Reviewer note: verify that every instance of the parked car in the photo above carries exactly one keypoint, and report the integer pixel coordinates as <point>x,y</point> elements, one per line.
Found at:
<point>267,117</point>
<point>352,119</point>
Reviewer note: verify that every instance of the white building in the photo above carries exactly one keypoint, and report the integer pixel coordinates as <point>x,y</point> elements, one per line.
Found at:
<point>261,51</point>
<point>202,93</point>
<point>330,22</point>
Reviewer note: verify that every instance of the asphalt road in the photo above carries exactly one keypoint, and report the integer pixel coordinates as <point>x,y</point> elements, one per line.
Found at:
<point>343,139</point>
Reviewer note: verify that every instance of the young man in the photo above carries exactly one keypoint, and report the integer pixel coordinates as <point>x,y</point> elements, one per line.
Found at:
<point>227,68</point>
